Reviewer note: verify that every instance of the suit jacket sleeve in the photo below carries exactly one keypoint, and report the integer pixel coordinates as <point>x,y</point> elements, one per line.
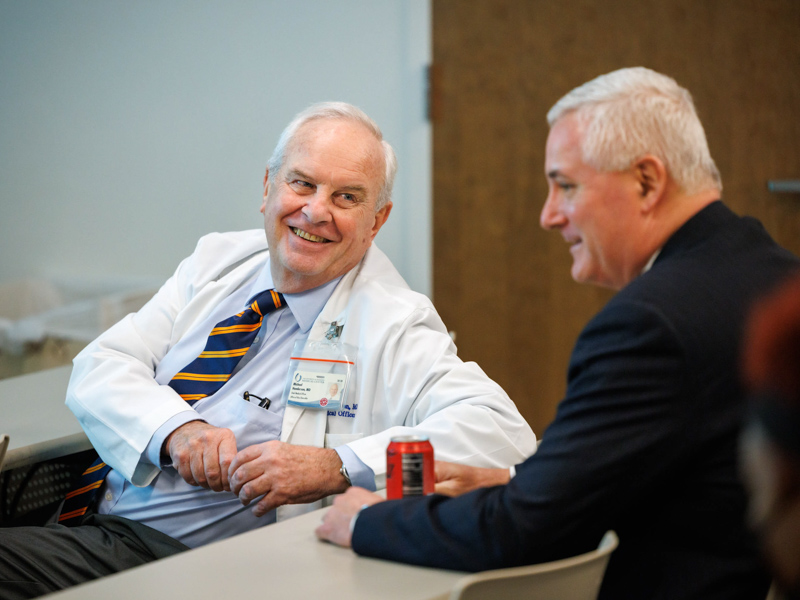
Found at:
<point>611,439</point>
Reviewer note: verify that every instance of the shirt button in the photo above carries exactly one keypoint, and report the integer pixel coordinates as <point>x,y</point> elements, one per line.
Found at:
<point>109,496</point>
<point>255,341</point>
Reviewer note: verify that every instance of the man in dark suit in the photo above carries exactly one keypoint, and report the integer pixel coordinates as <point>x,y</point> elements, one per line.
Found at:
<point>645,440</point>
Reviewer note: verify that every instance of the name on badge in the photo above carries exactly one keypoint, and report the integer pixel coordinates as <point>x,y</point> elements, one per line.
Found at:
<point>312,389</point>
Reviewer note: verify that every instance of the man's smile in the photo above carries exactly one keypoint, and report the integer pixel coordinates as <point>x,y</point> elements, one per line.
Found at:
<point>308,236</point>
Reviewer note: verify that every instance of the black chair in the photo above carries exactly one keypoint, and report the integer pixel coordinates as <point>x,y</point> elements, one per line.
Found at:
<point>31,495</point>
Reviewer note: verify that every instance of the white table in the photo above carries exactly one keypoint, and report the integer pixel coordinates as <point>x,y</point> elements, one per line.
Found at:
<point>33,413</point>
<point>284,561</point>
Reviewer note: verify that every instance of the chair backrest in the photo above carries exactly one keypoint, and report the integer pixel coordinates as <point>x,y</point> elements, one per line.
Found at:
<point>575,578</point>
<point>3,447</point>
<point>773,593</point>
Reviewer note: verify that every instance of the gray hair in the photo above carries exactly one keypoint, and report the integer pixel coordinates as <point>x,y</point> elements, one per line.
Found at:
<point>343,111</point>
<point>632,112</point>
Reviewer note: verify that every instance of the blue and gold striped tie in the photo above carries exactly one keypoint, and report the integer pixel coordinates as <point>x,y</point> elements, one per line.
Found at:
<point>227,343</point>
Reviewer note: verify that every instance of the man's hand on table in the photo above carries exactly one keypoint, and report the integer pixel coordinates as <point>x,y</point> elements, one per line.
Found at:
<point>285,474</point>
<point>336,522</point>
<point>202,454</point>
<point>453,479</point>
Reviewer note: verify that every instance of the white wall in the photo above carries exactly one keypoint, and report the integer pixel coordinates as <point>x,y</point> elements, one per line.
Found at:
<point>129,129</point>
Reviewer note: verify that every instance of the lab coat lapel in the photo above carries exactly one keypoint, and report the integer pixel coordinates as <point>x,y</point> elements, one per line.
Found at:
<point>307,427</point>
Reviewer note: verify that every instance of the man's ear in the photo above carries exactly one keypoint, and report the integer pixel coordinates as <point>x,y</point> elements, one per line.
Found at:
<point>651,176</point>
<point>266,189</point>
<point>380,218</point>
<point>266,181</point>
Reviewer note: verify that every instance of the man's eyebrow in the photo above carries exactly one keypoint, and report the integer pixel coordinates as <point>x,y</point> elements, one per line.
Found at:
<point>553,174</point>
<point>298,173</point>
<point>355,187</point>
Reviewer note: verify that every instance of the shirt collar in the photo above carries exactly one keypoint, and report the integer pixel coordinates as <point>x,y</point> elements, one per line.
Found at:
<point>650,262</point>
<point>305,306</point>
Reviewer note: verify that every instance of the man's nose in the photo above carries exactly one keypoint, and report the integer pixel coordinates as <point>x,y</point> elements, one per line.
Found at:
<point>317,208</point>
<point>551,216</point>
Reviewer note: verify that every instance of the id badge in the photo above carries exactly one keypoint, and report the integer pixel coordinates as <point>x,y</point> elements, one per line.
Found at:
<point>318,374</point>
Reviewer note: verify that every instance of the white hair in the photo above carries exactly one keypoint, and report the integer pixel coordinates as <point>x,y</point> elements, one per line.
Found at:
<point>343,111</point>
<point>632,112</point>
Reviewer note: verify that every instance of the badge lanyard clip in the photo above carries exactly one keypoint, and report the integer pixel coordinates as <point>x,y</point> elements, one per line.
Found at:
<point>334,331</point>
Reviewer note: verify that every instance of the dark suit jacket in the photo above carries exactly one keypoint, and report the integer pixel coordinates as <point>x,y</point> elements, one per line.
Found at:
<point>644,443</point>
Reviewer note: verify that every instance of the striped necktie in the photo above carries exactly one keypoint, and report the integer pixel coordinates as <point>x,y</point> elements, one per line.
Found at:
<point>227,343</point>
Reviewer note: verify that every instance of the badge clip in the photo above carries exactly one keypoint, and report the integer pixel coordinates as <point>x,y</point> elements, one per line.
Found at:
<point>334,331</point>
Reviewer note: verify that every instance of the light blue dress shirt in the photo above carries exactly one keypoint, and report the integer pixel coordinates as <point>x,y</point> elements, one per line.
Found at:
<point>193,515</point>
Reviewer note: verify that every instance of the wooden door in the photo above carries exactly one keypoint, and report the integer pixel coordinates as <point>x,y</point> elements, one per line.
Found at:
<point>500,282</point>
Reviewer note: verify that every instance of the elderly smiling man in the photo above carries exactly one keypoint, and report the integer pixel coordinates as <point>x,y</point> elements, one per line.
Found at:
<point>645,440</point>
<point>208,399</point>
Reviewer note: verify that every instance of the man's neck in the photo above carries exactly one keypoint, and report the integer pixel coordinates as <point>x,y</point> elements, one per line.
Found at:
<point>672,212</point>
<point>683,207</point>
<point>287,282</point>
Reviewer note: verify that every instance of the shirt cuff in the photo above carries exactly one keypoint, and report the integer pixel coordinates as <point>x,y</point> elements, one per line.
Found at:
<point>152,453</point>
<point>360,474</point>
<point>355,518</point>
<point>512,471</point>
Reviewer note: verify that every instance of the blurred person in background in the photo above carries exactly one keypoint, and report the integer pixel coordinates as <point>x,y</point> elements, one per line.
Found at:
<point>771,441</point>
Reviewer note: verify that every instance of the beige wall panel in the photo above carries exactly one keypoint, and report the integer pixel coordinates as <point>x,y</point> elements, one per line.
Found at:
<point>500,281</point>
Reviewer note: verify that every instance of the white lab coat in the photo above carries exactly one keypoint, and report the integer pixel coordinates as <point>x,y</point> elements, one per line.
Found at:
<point>408,379</point>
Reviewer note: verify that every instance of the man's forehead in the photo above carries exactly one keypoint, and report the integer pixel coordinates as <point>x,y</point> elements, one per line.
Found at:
<point>563,145</point>
<point>345,148</point>
<point>339,136</point>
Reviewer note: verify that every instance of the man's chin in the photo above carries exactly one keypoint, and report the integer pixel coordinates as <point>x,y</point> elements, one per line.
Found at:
<point>296,272</point>
<point>586,277</point>
<point>578,273</point>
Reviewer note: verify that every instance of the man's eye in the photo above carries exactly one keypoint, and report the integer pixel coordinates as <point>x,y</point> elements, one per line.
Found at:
<point>565,186</point>
<point>345,200</point>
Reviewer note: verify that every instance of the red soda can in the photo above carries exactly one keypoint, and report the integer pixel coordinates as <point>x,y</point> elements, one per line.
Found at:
<point>409,467</point>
